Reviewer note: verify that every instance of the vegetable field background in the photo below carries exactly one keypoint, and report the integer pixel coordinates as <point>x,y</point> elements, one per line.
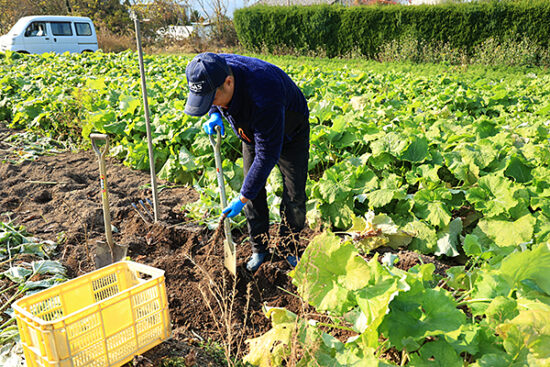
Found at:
<point>450,163</point>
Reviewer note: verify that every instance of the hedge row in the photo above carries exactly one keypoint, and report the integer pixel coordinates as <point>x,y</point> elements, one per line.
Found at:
<point>338,30</point>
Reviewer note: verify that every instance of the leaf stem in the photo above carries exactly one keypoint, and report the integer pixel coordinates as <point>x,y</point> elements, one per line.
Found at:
<point>474,300</point>
<point>8,288</point>
<point>381,348</point>
<point>404,357</point>
<point>8,260</point>
<point>12,298</point>
<point>10,321</point>
<point>464,295</point>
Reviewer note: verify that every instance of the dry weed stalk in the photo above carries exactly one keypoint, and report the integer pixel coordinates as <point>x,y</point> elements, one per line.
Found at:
<point>224,297</point>
<point>86,237</point>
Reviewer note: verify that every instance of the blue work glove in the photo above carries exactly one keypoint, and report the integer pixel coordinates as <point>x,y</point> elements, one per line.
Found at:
<point>214,120</point>
<point>234,207</point>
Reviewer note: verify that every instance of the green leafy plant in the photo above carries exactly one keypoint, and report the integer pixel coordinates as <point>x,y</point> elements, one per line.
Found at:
<point>18,276</point>
<point>424,145</point>
<point>420,314</point>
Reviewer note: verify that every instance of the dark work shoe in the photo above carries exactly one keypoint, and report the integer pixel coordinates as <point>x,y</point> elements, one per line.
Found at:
<point>255,261</point>
<point>292,260</point>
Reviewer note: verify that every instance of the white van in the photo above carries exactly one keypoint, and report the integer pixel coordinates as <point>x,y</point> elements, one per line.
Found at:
<point>39,34</point>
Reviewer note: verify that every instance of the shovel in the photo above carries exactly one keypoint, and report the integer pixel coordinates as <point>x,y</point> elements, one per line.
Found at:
<point>105,253</point>
<point>230,256</point>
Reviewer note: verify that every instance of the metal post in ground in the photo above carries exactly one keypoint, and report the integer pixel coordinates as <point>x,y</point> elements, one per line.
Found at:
<point>134,17</point>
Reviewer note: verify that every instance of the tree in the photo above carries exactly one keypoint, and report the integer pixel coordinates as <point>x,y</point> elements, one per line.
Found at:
<point>194,16</point>
<point>160,14</point>
<point>110,13</point>
<point>11,11</point>
<point>223,29</point>
<point>105,13</point>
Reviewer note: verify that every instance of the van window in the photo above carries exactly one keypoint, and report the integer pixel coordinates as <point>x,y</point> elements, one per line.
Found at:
<point>83,29</point>
<point>61,29</point>
<point>36,29</point>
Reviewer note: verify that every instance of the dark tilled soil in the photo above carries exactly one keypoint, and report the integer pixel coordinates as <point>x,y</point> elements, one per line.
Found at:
<point>57,198</point>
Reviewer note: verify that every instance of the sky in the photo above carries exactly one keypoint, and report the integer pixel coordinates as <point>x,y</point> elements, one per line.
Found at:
<point>232,5</point>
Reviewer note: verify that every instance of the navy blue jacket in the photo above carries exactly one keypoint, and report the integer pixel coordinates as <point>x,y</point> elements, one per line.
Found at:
<point>263,96</point>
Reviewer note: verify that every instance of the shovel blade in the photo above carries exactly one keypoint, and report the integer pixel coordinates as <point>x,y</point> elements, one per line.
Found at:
<point>119,252</point>
<point>103,255</point>
<point>230,257</point>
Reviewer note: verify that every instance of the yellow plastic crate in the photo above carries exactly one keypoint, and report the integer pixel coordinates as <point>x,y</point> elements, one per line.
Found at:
<point>103,318</point>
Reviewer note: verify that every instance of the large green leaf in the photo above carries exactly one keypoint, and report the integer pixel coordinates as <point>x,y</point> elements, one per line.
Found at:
<point>431,205</point>
<point>339,214</point>
<point>389,143</point>
<point>424,237</point>
<point>416,315</point>
<point>329,272</point>
<point>531,265</point>
<point>495,195</point>
<point>518,170</point>
<point>128,104</point>
<point>489,284</point>
<point>500,310</point>
<point>479,155</point>
<point>509,233</point>
<point>437,214</point>
<point>332,191</point>
<point>382,286</point>
<point>348,357</point>
<point>17,274</point>
<point>448,239</point>
<point>271,348</point>
<point>378,198</point>
<point>436,353</point>
<point>528,269</point>
<point>529,332</point>
<point>471,245</point>
<point>417,151</point>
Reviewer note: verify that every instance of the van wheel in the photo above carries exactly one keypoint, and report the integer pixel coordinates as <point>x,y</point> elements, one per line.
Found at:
<point>86,51</point>
<point>23,52</point>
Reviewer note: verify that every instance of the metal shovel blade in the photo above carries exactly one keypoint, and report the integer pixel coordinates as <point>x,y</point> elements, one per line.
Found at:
<point>104,255</point>
<point>230,257</point>
<point>230,253</point>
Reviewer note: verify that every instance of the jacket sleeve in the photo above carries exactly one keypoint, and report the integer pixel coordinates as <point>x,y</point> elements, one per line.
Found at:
<point>212,110</point>
<point>268,139</point>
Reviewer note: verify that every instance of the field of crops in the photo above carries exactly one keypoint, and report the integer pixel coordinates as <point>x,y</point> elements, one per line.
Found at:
<point>447,162</point>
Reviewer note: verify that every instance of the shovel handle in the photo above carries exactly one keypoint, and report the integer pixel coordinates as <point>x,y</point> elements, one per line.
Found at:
<point>229,246</point>
<point>95,137</point>
<point>216,141</point>
<point>216,144</point>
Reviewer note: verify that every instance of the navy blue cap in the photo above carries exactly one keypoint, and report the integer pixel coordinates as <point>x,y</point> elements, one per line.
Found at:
<point>205,73</point>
